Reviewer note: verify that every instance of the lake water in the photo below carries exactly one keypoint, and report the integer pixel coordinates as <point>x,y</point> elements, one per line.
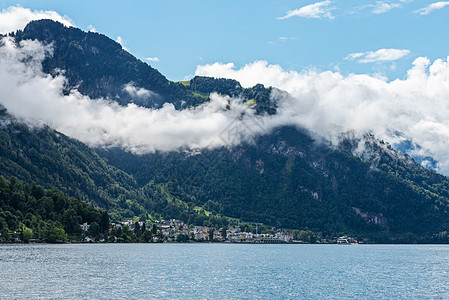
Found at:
<point>226,271</point>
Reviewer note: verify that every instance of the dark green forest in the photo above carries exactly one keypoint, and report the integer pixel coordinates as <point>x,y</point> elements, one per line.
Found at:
<point>289,181</point>
<point>31,213</point>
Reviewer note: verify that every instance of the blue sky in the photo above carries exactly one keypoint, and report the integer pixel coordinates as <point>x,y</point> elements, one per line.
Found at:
<point>321,35</point>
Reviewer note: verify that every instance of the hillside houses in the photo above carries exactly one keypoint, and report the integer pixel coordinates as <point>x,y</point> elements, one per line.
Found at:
<point>176,230</point>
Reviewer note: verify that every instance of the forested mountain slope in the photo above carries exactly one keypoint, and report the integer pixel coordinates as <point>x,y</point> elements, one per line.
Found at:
<point>48,158</point>
<point>53,160</point>
<point>28,212</point>
<point>289,180</point>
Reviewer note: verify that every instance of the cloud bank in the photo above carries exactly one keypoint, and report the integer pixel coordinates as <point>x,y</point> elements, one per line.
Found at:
<point>16,17</point>
<point>37,99</point>
<point>316,10</point>
<point>329,103</point>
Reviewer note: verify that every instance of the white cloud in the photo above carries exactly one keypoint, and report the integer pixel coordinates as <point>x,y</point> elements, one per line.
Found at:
<point>286,38</point>
<point>138,92</point>
<point>122,43</point>
<point>15,17</point>
<point>37,99</point>
<point>316,10</point>
<point>188,77</point>
<point>329,103</point>
<point>91,28</point>
<point>381,7</point>
<point>152,58</point>
<point>431,7</point>
<point>282,39</point>
<point>381,55</point>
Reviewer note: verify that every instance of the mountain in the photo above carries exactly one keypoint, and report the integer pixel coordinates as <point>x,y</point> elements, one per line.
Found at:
<point>45,157</point>
<point>53,160</point>
<point>99,67</point>
<point>286,178</point>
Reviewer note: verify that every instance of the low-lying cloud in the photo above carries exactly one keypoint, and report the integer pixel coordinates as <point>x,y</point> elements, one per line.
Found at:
<point>122,43</point>
<point>329,103</point>
<point>37,99</point>
<point>135,91</point>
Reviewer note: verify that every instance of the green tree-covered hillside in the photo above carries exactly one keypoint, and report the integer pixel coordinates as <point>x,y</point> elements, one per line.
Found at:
<point>28,212</point>
<point>288,180</point>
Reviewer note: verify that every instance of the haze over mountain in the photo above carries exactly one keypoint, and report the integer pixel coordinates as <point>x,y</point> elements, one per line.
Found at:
<point>233,149</point>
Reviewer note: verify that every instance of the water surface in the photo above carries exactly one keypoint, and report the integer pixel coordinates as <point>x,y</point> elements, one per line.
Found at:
<point>226,271</point>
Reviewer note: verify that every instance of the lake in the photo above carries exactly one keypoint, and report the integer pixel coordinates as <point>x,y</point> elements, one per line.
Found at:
<point>225,271</point>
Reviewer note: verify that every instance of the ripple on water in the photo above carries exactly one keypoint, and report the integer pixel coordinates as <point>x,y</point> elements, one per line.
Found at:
<point>226,271</point>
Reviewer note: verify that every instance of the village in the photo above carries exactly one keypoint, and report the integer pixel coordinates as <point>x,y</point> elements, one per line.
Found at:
<point>177,231</point>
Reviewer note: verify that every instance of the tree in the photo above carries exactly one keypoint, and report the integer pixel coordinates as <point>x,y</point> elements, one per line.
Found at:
<point>147,236</point>
<point>71,222</point>
<point>211,234</point>
<point>94,230</point>
<point>223,232</point>
<point>27,234</point>
<point>37,191</point>
<point>54,233</point>
<point>182,238</point>
<point>305,236</point>
<point>104,221</point>
<point>137,229</point>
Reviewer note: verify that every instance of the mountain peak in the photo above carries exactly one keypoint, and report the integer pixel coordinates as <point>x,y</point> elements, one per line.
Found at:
<point>98,66</point>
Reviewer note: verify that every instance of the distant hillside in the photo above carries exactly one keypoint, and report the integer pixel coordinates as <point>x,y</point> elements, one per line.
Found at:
<point>288,180</point>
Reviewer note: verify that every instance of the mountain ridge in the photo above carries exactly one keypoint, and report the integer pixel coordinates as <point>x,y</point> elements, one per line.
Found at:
<point>82,54</point>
